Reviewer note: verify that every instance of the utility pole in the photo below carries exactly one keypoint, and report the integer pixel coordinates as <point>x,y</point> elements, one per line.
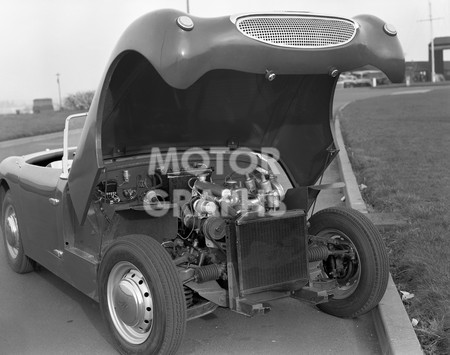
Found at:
<point>431,19</point>
<point>433,71</point>
<point>187,7</point>
<point>59,90</point>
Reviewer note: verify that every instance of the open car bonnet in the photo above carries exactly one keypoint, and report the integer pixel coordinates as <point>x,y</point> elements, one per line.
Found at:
<point>254,81</point>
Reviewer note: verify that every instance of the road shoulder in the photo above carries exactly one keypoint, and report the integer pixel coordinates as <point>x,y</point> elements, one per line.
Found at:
<point>394,330</point>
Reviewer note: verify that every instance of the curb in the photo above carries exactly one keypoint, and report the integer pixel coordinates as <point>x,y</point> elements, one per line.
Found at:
<point>393,326</point>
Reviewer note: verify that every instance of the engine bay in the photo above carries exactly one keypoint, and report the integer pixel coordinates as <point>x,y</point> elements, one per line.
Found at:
<point>223,219</point>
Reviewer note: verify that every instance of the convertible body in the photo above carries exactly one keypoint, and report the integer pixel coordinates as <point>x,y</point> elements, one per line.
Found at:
<point>196,168</point>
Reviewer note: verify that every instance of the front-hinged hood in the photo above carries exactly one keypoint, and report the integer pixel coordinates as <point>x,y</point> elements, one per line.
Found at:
<point>177,81</point>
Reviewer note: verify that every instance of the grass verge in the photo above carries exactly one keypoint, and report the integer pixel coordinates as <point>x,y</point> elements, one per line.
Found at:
<point>399,146</point>
<point>27,125</point>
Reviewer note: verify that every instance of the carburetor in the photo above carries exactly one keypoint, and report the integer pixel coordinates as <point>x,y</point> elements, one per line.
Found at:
<point>211,204</point>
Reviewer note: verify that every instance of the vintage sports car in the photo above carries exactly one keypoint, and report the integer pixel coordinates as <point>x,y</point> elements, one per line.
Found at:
<point>198,165</point>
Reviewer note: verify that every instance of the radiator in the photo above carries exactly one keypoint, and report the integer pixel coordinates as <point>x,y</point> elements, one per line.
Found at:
<point>271,252</point>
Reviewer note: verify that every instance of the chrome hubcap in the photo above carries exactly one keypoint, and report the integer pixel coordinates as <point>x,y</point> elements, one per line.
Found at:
<point>130,302</point>
<point>11,232</point>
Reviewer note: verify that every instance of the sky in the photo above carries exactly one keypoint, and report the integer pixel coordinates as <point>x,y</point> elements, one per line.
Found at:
<point>40,38</point>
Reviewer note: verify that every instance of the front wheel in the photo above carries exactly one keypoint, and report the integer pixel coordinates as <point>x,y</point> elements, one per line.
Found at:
<point>358,260</point>
<point>141,297</point>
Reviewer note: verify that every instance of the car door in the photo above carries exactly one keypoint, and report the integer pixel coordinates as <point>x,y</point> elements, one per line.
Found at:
<point>41,213</point>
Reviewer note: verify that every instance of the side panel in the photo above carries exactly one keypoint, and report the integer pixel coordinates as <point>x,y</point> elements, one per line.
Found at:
<point>46,226</point>
<point>40,200</point>
<point>9,170</point>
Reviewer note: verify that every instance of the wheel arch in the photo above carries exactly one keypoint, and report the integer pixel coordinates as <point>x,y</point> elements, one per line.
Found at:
<point>130,222</point>
<point>4,187</point>
<point>15,251</point>
<point>108,243</point>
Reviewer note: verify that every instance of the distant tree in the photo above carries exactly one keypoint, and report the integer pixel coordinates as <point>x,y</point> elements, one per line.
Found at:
<point>79,101</point>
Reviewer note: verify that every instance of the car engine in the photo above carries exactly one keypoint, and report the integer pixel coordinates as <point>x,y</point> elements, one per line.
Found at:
<point>223,224</point>
<point>200,241</point>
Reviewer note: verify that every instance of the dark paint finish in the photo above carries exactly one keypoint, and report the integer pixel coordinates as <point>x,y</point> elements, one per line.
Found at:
<point>39,216</point>
<point>187,64</point>
<point>184,57</point>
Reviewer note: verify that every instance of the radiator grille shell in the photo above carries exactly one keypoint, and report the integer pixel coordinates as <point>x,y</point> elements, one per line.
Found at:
<point>272,253</point>
<point>298,31</point>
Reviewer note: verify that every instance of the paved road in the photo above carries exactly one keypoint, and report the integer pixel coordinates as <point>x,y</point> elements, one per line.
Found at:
<point>41,314</point>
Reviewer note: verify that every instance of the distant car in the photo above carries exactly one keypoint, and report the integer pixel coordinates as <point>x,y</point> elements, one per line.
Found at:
<point>379,76</point>
<point>361,80</point>
<point>366,78</point>
<point>346,81</point>
<point>439,78</point>
<point>196,172</point>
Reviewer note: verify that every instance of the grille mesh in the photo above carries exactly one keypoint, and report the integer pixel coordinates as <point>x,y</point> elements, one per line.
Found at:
<point>298,31</point>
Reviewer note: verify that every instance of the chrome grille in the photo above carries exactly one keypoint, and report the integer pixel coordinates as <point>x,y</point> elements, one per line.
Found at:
<point>298,31</point>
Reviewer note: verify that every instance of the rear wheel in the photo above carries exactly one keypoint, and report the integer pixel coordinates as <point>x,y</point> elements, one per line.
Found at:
<point>359,263</point>
<point>141,297</point>
<point>15,254</point>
